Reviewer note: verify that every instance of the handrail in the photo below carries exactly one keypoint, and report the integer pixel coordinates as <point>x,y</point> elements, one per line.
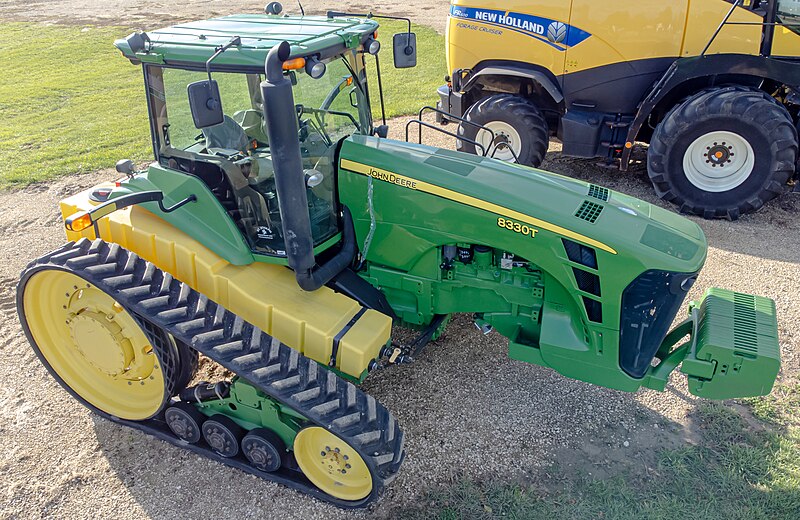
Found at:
<point>510,149</point>
<point>421,124</point>
<point>451,134</point>
<point>726,21</point>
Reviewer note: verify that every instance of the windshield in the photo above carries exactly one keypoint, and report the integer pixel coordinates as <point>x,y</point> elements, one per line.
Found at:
<point>234,158</point>
<point>789,13</point>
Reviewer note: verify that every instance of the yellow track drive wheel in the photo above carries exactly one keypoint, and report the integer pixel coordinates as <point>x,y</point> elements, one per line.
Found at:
<point>331,464</point>
<point>96,349</point>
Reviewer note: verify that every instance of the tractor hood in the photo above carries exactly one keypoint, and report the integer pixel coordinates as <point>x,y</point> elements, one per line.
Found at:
<point>587,213</point>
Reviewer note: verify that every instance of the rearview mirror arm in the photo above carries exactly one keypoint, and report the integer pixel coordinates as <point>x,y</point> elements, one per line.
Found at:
<point>235,42</point>
<point>334,14</point>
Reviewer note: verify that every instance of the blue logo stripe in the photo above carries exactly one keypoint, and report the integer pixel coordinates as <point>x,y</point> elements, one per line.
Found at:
<point>552,32</point>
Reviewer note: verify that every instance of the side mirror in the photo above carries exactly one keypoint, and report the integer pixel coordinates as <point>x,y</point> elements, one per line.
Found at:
<point>205,103</point>
<point>125,166</point>
<point>405,50</point>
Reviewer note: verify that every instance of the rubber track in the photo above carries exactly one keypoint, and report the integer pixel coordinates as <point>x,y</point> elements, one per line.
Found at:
<point>279,371</point>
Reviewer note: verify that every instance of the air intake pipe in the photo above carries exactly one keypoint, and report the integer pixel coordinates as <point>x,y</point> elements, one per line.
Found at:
<point>284,143</point>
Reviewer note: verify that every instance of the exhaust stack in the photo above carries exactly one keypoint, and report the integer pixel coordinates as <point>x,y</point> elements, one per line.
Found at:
<point>282,130</point>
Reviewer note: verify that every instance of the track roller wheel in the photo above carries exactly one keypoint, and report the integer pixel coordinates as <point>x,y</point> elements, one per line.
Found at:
<point>185,421</point>
<point>222,434</point>
<point>331,464</point>
<point>264,449</point>
<point>94,347</point>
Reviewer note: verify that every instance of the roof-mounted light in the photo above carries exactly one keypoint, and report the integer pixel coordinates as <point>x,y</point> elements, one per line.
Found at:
<point>315,68</point>
<point>372,46</point>
<point>274,8</point>
<point>294,64</point>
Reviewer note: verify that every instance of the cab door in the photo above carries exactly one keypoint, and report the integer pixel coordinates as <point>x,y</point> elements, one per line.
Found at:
<point>786,39</point>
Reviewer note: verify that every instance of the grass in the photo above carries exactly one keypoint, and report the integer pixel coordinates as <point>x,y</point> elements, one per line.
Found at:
<point>407,90</point>
<point>71,104</point>
<point>737,471</point>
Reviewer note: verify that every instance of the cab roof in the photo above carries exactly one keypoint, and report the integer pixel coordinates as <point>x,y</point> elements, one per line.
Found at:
<point>192,44</point>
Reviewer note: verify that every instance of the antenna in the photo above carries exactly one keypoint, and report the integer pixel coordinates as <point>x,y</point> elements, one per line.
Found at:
<point>302,11</point>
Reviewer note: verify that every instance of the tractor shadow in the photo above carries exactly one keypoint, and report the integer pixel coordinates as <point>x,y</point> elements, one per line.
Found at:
<point>467,411</point>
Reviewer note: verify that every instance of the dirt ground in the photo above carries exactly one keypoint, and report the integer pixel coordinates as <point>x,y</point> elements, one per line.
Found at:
<point>151,13</point>
<point>466,408</point>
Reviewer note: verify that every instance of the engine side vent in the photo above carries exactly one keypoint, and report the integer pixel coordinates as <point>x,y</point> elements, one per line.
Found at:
<point>589,211</point>
<point>587,282</point>
<point>594,309</point>
<point>580,254</point>
<point>598,192</point>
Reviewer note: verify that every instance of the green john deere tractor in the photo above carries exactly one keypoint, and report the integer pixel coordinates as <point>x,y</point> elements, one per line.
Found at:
<point>276,234</point>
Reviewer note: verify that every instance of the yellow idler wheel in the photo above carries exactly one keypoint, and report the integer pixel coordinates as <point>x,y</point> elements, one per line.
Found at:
<point>331,464</point>
<point>93,346</point>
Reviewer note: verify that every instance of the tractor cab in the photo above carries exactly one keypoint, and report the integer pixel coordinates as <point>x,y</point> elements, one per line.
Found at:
<point>207,111</point>
<point>234,158</point>
<point>211,120</point>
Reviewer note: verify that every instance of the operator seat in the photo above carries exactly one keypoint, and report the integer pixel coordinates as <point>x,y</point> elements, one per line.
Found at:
<point>253,211</point>
<point>227,138</point>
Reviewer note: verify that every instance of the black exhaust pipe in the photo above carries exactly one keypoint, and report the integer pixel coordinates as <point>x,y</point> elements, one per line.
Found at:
<point>290,182</point>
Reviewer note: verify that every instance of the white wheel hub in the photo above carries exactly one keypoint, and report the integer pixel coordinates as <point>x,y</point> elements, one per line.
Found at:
<point>506,138</point>
<point>718,161</point>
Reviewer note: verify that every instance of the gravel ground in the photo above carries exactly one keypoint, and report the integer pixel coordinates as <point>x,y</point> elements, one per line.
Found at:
<point>466,408</point>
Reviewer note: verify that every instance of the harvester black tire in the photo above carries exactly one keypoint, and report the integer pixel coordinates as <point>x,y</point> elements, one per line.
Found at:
<point>515,111</point>
<point>797,126</point>
<point>756,119</point>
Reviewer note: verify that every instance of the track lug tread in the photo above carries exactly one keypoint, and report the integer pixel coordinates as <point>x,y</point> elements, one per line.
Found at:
<point>306,395</point>
<point>275,369</point>
<point>265,373</point>
<point>347,421</point>
<point>289,382</point>
<point>326,408</point>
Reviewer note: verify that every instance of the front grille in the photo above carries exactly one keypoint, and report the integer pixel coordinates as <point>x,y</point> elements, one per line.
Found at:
<point>580,254</point>
<point>587,282</point>
<point>649,304</point>
<point>594,309</point>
